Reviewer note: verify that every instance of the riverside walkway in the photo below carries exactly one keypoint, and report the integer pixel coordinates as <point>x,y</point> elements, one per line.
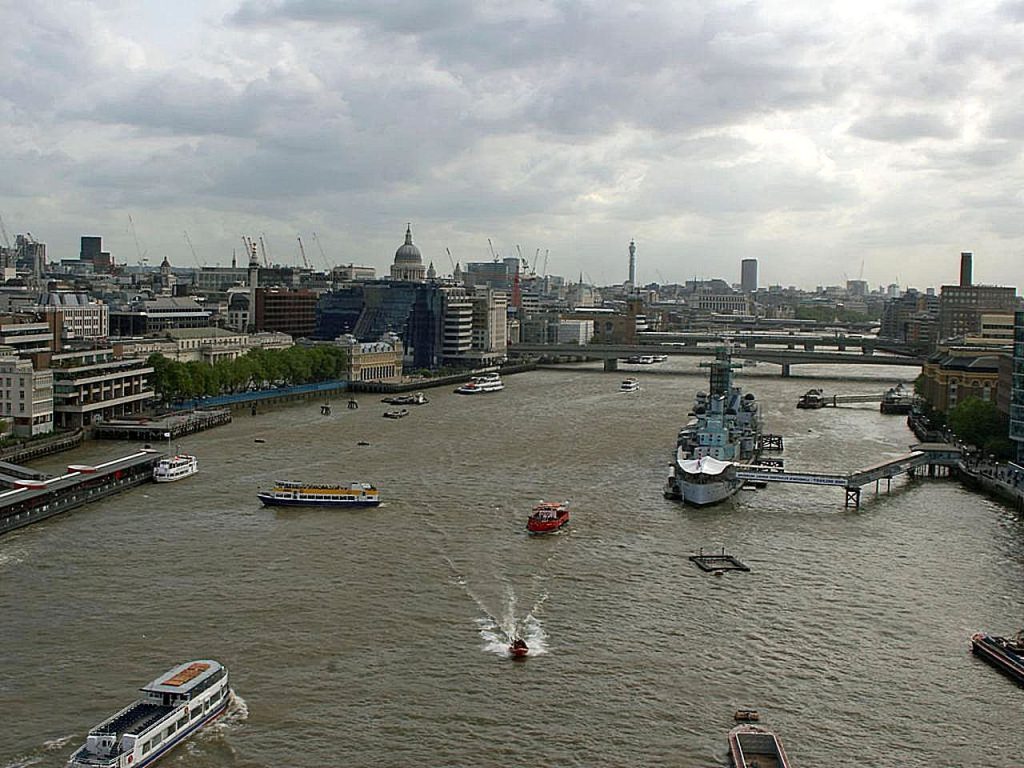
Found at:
<point>938,458</point>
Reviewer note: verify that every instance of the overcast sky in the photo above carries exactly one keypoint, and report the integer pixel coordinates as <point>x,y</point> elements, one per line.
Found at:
<point>828,140</point>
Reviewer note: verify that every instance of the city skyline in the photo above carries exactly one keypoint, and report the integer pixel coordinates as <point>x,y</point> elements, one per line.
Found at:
<point>828,141</point>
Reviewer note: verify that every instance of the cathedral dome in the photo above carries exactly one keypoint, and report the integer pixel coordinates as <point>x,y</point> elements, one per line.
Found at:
<point>408,253</point>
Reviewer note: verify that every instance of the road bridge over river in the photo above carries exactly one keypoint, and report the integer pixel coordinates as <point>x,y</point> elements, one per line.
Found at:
<point>786,358</point>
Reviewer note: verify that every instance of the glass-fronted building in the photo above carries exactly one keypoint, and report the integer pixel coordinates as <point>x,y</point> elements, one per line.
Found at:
<point>1017,392</point>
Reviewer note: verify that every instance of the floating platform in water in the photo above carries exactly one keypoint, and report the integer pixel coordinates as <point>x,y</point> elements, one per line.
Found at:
<point>718,562</point>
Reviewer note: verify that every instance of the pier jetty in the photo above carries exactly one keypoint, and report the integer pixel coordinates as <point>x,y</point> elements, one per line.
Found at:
<point>937,459</point>
<point>168,427</point>
<point>31,499</point>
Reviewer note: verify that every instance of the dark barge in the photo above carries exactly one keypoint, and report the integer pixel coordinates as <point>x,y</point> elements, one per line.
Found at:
<point>1003,653</point>
<point>35,499</point>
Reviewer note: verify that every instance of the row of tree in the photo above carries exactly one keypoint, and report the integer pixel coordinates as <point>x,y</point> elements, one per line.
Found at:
<point>257,369</point>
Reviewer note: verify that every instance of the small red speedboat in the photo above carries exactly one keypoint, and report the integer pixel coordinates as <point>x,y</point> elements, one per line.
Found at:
<point>548,516</point>
<point>518,649</point>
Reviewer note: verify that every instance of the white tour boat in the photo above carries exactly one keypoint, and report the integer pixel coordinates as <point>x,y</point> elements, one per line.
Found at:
<point>489,382</point>
<point>629,385</point>
<point>175,468</point>
<point>174,706</point>
<point>292,494</point>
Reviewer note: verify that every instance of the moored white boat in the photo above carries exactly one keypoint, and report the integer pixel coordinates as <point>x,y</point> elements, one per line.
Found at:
<point>174,706</point>
<point>176,467</point>
<point>629,385</point>
<point>490,382</point>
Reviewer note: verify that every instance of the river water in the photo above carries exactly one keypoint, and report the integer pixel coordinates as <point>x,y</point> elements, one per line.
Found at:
<point>377,637</point>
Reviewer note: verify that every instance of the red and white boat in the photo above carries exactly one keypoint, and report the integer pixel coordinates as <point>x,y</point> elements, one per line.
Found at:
<point>518,648</point>
<point>548,516</point>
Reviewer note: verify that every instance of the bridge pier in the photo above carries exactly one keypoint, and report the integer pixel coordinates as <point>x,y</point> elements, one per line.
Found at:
<point>785,370</point>
<point>611,364</point>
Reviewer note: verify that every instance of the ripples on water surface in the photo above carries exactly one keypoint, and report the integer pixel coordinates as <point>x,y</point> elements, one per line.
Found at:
<point>377,638</point>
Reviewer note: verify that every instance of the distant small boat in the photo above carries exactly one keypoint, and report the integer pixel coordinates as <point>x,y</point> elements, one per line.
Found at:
<point>415,399</point>
<point>752,746</point>
<point>399,414</point>
<point>629,385</point>
<point>259,440</point>
<point>362,442</point>
<point>746,715</point>
<point>518,648</point>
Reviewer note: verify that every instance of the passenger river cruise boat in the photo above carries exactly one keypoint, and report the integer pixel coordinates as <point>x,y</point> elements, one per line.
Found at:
<point>175,468</point>
<point>489,382</point>
<point>174,706</point>
<point>292,494</point>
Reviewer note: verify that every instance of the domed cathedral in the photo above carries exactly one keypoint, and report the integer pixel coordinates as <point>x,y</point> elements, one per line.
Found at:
<point>408,262</point>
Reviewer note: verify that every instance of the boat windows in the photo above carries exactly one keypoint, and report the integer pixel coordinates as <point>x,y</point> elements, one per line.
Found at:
<point>197,712</point>
<point>147,746</point>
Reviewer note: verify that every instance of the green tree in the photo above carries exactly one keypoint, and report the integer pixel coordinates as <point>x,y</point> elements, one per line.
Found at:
<point>979,423</point>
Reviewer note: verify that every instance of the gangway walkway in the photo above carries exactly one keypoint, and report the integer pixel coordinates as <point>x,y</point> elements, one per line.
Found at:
<point>930,455</point>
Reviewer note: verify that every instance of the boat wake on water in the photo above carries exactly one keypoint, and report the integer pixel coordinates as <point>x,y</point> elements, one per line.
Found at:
<point>38,756</point>
<point>499,633</point>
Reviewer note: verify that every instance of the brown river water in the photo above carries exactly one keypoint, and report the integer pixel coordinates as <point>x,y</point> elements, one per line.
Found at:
<point>377,637</point>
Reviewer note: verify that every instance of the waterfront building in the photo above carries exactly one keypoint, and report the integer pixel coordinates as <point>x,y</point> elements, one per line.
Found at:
<point>490,331</point>
<point>954,374</point>
<point>89,385</point>
<point>457,325</point>
<point>408,263</point>
<point>286,311</point>
<point>748,276</point>
<point>25,334</point>
<point>1017,386</point>
<point>373,360</point>
<point>368,310</point>
<point>26,395</point>
<point>74,315</point>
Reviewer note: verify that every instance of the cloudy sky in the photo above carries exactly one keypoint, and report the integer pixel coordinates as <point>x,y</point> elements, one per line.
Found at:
<point>829,140</point>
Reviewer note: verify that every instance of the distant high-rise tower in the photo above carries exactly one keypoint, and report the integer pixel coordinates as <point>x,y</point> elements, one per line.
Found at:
<point>966,268</point>
<point>748,275</point>
<point>632,264</point>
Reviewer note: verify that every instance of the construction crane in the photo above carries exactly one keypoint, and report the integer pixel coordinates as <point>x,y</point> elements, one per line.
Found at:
<point>302,251</point>
<point>263,252</point>
<point>323,255</point>
<point>135,237</point>
<point>490,245</point>
<point>452,260</point>
<point>525,263</point>
<point>192,248</point>
<point>3,231</point>
<point>546,252</point>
